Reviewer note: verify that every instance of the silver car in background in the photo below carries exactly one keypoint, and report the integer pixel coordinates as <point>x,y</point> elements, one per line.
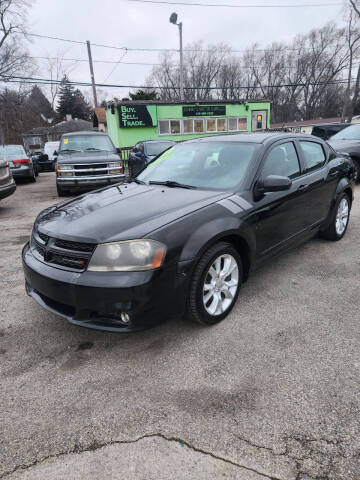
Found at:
<point>21,165</point>
<point>7,184</point>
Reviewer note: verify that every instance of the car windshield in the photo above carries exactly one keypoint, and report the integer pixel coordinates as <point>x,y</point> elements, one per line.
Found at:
<point>82,143</point>
<point>214,165</point>
<point>155,148</point>
<point>349,133</point>
<point>12,150</point>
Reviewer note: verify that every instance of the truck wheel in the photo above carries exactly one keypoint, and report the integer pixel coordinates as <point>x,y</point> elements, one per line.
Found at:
<point>60,191</point>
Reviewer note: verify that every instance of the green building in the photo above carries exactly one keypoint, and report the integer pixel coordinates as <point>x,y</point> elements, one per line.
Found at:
<point>130,122</point>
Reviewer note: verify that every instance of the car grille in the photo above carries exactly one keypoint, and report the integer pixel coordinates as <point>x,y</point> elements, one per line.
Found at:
<point>63,253</point>
<point>95,169</point>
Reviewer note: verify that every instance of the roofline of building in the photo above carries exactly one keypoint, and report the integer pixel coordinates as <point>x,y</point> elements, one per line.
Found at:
<point>186,102</point>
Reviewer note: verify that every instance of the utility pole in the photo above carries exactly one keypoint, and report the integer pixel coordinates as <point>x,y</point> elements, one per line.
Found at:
<point>173,20</point>
<point>92,73</point>
<point>181,64</point>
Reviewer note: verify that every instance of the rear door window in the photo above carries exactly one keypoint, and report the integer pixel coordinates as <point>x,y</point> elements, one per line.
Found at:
<point>314,155</point>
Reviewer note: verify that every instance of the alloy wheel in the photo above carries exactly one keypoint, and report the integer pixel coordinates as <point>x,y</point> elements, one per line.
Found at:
<point>342,216</point>
<point>220,284</point>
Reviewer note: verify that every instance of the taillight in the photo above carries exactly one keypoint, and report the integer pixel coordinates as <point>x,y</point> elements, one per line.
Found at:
<point>25,161</point>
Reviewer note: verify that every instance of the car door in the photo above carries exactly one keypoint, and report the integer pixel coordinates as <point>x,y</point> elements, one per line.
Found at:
<point>280,216</point>
<point>319,181</point>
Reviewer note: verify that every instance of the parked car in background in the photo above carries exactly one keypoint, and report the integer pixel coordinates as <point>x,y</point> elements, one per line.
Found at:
<point>348,141</point>
<point>143,152</point>
<point>327,130</point>
<point>21,165</point>
<point>50,151</point>
<point>7,184</point>
<point>183,236</point>
<point>87,160</point>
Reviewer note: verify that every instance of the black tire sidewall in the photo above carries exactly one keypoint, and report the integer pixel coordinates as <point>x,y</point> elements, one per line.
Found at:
<point>202,315</point>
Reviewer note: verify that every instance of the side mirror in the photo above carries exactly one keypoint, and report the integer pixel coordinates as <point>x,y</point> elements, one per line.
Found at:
<point>272,183</point>
<point>138,154</point>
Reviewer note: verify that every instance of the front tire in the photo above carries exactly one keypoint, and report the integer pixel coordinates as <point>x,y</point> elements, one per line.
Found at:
<point>60,191</point>
<point>33,176</point>
<point>339,219</point>
<point>215,284</point>
<point>356,170</point>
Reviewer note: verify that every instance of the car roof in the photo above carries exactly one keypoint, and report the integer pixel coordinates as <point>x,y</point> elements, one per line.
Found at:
<point>337,124</point>
<point>255,137</point>
<point>83,132</point>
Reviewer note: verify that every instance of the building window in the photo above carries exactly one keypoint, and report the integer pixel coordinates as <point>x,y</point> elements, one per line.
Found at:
<point>221,124</point>
<point>198,125</point>
<point>164,127</point>
<point>188,125</point>
<point>242,123</point>
<point>232,123</point>
<point>175,127</point>
<point>211,124</point>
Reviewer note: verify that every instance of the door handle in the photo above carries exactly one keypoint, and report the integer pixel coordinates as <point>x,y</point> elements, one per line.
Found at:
<point>302,188</point>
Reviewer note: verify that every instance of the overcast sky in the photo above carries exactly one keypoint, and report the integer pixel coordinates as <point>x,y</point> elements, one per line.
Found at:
<point>130,24</point>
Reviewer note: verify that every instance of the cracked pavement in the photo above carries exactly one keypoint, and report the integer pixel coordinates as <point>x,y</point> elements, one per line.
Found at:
<point>270,393</point>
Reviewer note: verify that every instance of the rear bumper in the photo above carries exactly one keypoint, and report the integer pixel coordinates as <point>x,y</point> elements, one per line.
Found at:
<point>7,190</point>
<point>46,166</point>
<point>22,171</point>
<point>97,299</point>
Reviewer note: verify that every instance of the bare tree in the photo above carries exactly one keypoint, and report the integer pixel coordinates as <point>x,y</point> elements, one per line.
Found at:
<point>13,56</point>
<point>56,68</point>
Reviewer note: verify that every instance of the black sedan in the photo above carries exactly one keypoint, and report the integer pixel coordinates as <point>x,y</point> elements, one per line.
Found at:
<point>184,235</point>
<point>348,142</point>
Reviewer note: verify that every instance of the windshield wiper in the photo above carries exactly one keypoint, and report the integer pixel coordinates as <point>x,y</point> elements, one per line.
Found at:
<point>171,183</point>
<point>97,149</point>
<point>140,182</point>
<point>69,150</point>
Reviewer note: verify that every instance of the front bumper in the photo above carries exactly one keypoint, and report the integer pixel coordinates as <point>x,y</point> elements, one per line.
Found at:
<point>96,299</point>
<point>7,190</point>
<point>86,181</point>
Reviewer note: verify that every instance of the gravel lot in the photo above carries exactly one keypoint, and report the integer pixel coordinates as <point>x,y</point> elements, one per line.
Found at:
<point>271,393</point>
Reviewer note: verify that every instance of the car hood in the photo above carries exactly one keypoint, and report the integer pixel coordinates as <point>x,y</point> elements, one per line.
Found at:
<point>122,212</point>
<point>87,157</point>
<point>345,145</point>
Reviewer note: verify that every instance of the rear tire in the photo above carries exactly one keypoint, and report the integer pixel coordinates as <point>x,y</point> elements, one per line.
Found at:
<point>33,176</point>
<point>339,219</point>
<point>215,284</point>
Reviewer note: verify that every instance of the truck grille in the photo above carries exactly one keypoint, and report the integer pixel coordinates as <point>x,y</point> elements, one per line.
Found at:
<point>63,253</point>
<point>92,169</point>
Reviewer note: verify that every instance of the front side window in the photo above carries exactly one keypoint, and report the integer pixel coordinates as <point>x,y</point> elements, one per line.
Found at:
<point>314,155</point>
<point>82,143</point>
<point>283,161</point>
<point>213,165</point>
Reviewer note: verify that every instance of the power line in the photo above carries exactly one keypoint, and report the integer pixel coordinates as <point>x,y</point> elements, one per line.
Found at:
<point>131,49</point>
<point>154,64</point>
<point>229,5</point>
<point>47,81</point>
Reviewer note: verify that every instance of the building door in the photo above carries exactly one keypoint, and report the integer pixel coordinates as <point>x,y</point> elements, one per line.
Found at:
<point>258,120</point>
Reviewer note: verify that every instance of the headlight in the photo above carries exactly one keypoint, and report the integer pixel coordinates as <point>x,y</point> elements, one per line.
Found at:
<point>115,167</point>
<point>132,255</point>
<point>61,170</point>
